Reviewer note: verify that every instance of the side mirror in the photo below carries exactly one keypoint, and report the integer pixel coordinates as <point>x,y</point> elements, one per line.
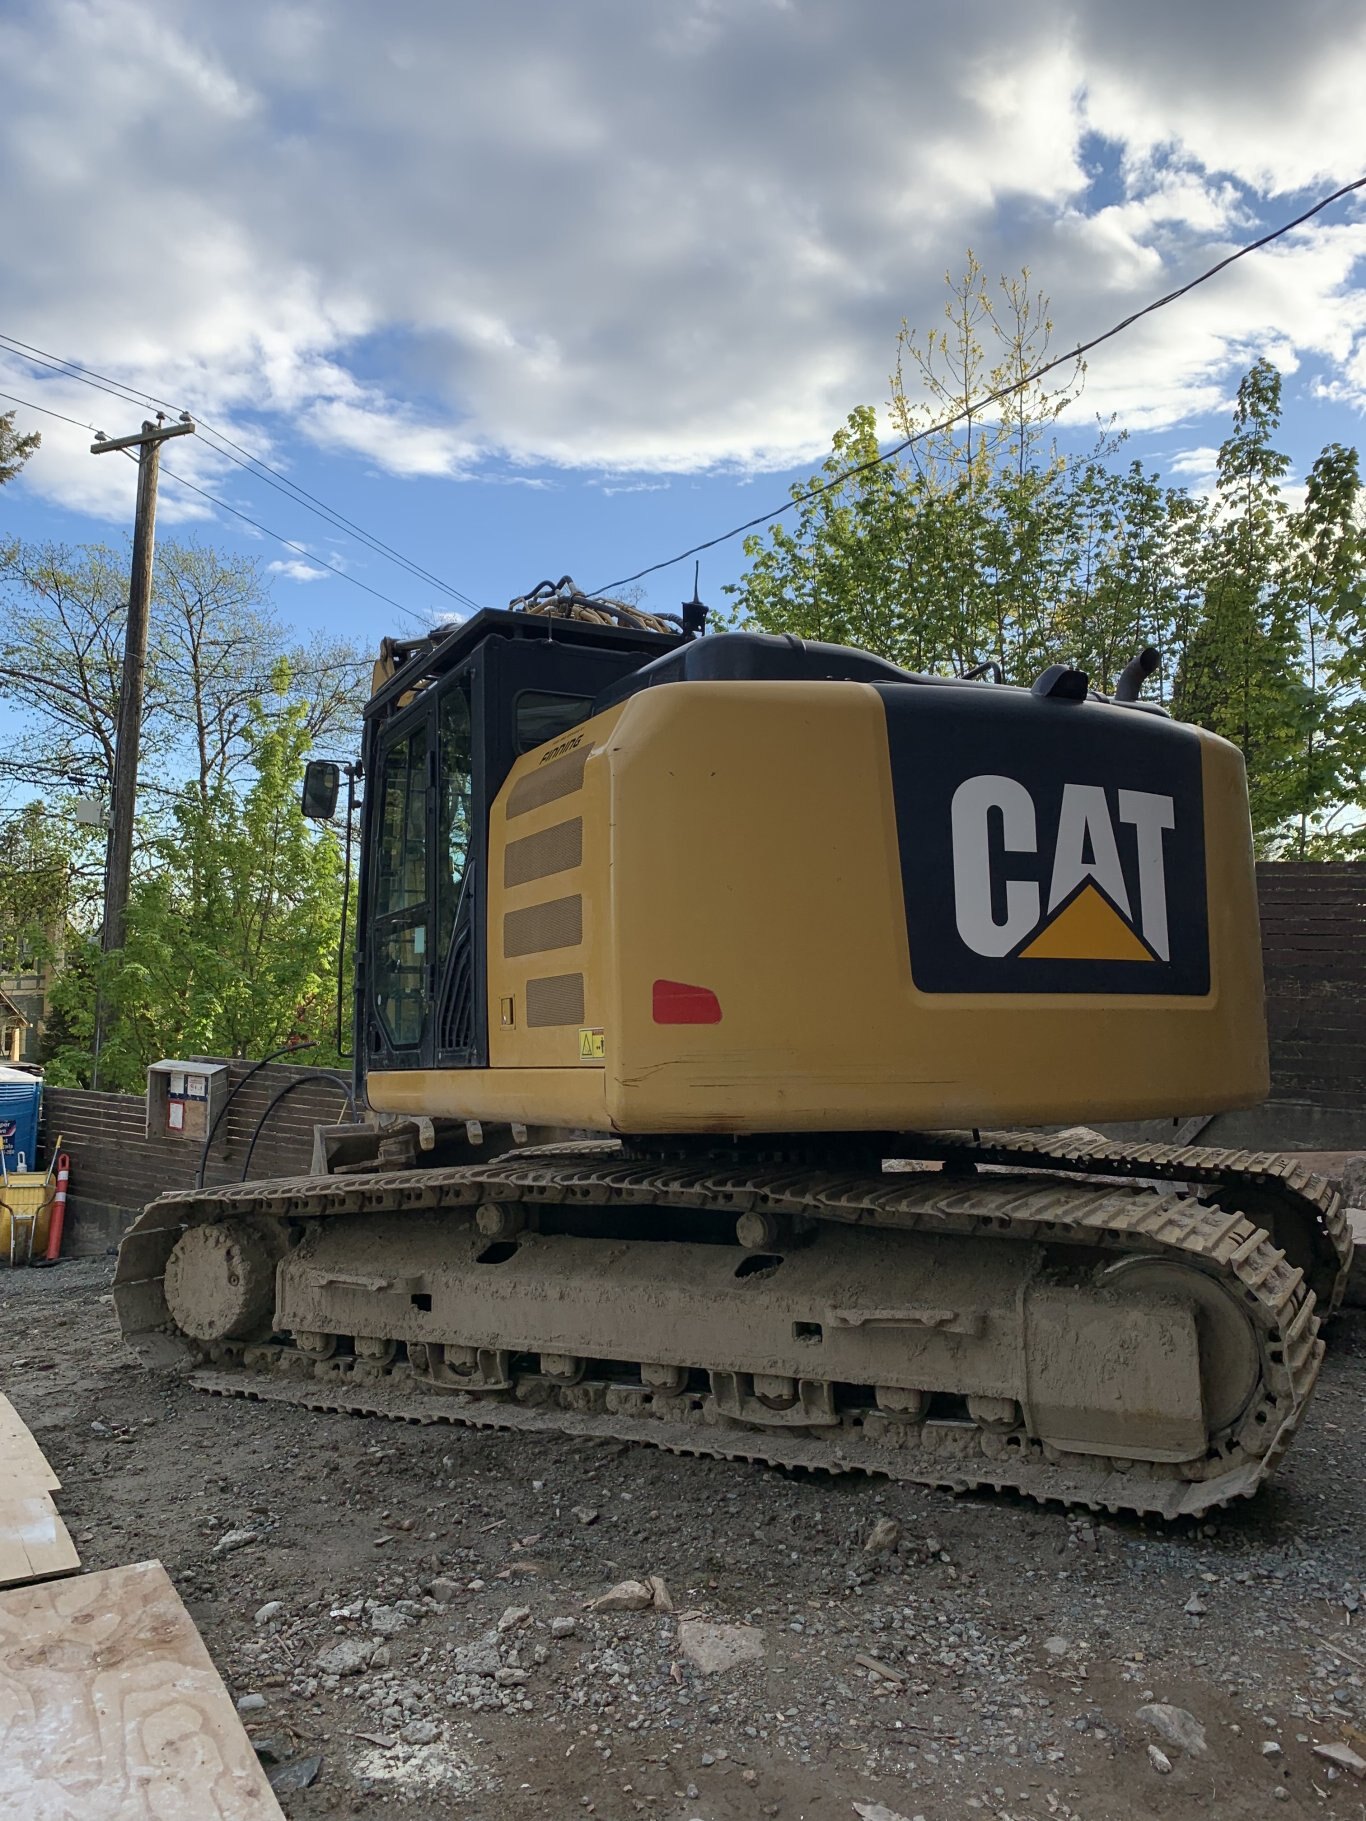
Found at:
<point>322,781</point>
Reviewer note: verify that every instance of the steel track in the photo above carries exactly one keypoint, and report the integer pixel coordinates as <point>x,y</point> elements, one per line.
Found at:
<point>1101,1218</point>
<point>1311,1221</point>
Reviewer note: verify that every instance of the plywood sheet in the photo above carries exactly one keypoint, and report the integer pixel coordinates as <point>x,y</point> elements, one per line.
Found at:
<point>111,1710</point>
<point>23,1465</point>
<point>34,1542</point>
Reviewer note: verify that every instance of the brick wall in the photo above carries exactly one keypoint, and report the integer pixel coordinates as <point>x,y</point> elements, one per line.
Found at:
<point>1314,955</point>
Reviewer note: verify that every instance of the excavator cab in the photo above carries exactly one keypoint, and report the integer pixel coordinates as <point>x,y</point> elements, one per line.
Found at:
<point>441,735</point>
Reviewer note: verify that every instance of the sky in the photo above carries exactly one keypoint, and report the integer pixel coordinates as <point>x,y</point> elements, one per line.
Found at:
<point>546,288</point>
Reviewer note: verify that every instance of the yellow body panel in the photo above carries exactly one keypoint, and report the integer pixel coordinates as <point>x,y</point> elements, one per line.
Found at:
<point>742,837</point>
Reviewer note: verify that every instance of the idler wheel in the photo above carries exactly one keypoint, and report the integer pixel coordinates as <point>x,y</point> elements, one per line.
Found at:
<point>1230,1360</point>
<point>220,1282</point>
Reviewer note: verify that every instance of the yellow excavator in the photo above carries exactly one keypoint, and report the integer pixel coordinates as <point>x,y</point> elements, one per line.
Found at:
<point>734,1014</point>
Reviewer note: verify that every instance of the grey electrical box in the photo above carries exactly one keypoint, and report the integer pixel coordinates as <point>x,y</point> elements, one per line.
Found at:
<point>185,1098</point>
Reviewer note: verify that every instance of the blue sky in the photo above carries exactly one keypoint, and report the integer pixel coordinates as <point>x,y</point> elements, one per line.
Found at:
<point>546,288</point>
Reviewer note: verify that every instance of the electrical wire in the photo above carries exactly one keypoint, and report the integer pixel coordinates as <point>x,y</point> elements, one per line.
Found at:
<point>243,458</point>
<point>47,411</point>
<point>285,1049</point>
<point>332,1076</point>
<point>987,398</point>
<point>308,555</point>
<point>300,495</point>
<point>39,357</point>
<point>255,464</point>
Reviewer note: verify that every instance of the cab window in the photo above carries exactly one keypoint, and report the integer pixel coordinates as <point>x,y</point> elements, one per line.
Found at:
<point>541,715</point>
<point>400,915</point>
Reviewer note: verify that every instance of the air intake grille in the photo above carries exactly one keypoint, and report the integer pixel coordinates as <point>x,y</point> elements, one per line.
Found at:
<point>558,924</point>
<point>557,999</point>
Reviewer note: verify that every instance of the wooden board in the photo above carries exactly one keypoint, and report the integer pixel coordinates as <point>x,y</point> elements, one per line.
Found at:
<point>23,1465</point>
<point>111,1710</point>
<point>34,1542</point>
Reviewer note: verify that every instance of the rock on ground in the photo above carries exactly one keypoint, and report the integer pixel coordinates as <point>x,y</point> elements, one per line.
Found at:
<point>1177,1727</point>
<point>713,1648</point>
<point>347,1658</point>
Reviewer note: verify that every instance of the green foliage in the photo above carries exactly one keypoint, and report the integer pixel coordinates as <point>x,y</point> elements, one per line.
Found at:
<point>14,448</point>
<point>232,928</point>
<point>236,901</point>
<point>1239,673</point>
<point>1326,580</point>
<point>42,859</point>
<point>985,542</point>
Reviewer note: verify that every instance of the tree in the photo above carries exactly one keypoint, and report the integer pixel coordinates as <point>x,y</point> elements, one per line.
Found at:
<point>215,647</point>
<point>15,449</point>
<point>985,541</point>
<point>39,885</point>
<point>233,926</point>
<point>953,553</point>
<point>60,655</point>
<point>1239,672</point>
<point>1325,585</point>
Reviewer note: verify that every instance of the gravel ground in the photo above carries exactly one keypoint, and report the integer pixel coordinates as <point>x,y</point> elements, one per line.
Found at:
<point>411,1607</point>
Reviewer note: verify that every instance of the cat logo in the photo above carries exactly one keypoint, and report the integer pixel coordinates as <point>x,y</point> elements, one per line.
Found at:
<point>1048,849</point>
<point>1087,914</point>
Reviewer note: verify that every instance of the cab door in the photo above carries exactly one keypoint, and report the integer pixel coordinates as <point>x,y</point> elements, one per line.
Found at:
<point>418,997</point>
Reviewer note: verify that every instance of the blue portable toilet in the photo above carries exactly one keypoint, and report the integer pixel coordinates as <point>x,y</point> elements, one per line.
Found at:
<point>21,1096</point>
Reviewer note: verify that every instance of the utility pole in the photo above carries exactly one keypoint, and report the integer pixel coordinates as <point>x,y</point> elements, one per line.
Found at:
<point>128,733</point>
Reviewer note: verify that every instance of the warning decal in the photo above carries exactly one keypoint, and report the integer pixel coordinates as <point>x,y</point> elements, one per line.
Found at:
<point>592,1046</point>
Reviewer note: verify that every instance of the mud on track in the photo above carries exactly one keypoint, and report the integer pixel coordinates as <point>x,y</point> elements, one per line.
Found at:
<point>1017,1642</point>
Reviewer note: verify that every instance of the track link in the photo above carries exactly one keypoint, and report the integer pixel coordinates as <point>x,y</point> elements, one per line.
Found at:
<point>1303,1210</point>
<point>1098,1217</point>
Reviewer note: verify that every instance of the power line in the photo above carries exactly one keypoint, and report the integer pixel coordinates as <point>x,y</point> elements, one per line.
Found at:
<point>254,464</point>
<point>56,363</point>
<point>988,398</point>
<point>299,548</point>
<point>39,357</point>
<point>47,411</point>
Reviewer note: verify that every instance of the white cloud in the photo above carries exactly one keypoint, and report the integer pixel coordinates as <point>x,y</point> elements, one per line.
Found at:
<point>105,486</point>
<point>453,241</point>
<point>1198,466</point>
<point>294,569</point>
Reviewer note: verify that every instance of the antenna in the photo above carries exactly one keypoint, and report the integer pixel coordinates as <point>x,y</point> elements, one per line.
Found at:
<point>694,611</point>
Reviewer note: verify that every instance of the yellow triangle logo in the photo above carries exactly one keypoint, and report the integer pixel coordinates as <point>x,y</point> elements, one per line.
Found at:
<point>1087,928</point>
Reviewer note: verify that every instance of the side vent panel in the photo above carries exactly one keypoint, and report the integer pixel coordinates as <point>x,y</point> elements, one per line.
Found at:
<point>558,924</point>
<point>539,856</point>
<point>555,1000</point>
<point>548,783</point>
